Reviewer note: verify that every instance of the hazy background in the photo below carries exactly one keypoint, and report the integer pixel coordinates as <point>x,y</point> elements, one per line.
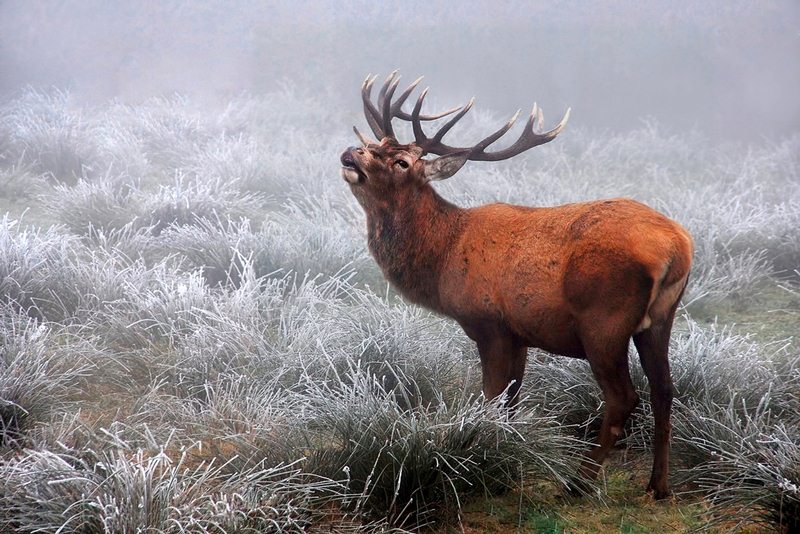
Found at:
<point>730,68</point>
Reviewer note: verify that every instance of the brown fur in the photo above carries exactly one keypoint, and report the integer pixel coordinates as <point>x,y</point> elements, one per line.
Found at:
<point>577,280</point>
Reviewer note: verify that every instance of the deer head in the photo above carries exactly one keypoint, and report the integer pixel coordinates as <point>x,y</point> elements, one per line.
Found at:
<point>382,168</point>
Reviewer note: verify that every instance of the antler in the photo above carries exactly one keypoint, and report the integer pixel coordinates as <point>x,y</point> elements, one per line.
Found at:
<point>381,123</point>
<point>380,118</point>
<point>527,140</point>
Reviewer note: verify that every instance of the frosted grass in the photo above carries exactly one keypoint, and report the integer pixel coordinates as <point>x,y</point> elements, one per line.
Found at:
<point>209,270</point>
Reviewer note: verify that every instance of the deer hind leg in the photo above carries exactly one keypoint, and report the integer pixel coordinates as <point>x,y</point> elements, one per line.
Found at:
<point>609,362</point>
<point>503,361</point>
<point>653,348</point>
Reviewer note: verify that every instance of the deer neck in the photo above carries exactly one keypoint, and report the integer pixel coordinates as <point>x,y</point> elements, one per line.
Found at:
<point>410,238</point>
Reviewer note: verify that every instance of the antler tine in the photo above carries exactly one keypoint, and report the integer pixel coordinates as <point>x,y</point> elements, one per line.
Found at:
<point>478,148</point>
<point>406,117</point>
<point>536,119</point>
<point>449,124</point>
<point>560,126</point>
<point>533,123</point>
<point>386,106</point>
<point>386,83</point>
<point>361,137</point>
<point>527,140</point>
<point>366,90</point>
<point>419,135</point>
<point>396,107</point>
<point>371,113</point>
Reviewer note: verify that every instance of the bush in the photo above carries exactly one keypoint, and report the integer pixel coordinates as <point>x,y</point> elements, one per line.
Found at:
<point>26,256</point>
<point>752,461</point>
<point>138,490</point>
<point>409,466</point>
<point>46,133</point>
<point>95,209</point>
<point>315,241</point>
<point>414,466</point>
<point>39,375</point>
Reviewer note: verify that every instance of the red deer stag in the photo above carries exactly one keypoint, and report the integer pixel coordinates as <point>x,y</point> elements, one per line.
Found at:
<point>576,280</point>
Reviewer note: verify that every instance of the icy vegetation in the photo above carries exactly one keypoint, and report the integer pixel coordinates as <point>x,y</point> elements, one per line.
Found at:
<point>194,338</point>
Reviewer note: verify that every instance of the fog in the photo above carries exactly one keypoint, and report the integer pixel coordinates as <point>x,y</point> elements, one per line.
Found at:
<point>729,69</point>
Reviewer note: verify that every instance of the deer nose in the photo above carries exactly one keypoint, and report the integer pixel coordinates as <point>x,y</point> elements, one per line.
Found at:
<point>347,157</point>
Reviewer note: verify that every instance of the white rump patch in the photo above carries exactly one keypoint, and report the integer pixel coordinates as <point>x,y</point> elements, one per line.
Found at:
<point>645,324</point>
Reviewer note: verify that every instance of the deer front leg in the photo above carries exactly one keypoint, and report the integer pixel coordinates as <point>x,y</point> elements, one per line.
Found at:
<point>503,361</point>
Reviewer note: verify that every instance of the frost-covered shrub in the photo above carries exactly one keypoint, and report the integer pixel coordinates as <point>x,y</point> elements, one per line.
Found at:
<point>186,201</point>
<point>415,466</point>
<point>411,466</point>
<point>749,461</point>
<point>38,374</point>
<point>90,208</point>
<point>124,490</point>
<point>311,241</point>
<point>100,208</point>
<point>18,180</point>
<point>47,133</point>
<point>26,257</point>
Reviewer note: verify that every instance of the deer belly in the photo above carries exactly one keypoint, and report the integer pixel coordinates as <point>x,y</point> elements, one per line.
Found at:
<point>547,328</point>
<point>532,317</point>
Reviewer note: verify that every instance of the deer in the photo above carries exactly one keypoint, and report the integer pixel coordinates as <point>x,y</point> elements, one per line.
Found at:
<point>578,280</point>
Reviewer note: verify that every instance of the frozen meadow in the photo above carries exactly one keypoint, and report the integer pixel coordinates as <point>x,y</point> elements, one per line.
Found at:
<point>194,338</point>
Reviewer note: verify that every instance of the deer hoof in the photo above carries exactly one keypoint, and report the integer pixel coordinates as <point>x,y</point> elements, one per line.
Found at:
<point>659,494</point>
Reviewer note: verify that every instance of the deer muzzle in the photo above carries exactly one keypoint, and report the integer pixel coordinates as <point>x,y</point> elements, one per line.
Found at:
<point>350,170</point>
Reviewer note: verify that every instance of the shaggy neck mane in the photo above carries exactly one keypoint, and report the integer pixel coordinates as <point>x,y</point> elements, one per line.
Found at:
<point>410,239</point>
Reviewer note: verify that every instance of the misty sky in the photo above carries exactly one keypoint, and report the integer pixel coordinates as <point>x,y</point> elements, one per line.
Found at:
<point>728,68</point>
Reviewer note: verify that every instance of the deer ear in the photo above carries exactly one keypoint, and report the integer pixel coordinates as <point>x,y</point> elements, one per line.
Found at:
<point>444,167</point>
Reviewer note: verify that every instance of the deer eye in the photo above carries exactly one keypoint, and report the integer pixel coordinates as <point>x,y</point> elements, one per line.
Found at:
<point>403,163</point>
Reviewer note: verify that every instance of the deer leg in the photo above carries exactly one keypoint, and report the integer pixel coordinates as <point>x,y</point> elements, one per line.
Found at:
<point>502,361</point>
<point>519,355</point>
<point>609,362</point>
<point>653,348</point>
